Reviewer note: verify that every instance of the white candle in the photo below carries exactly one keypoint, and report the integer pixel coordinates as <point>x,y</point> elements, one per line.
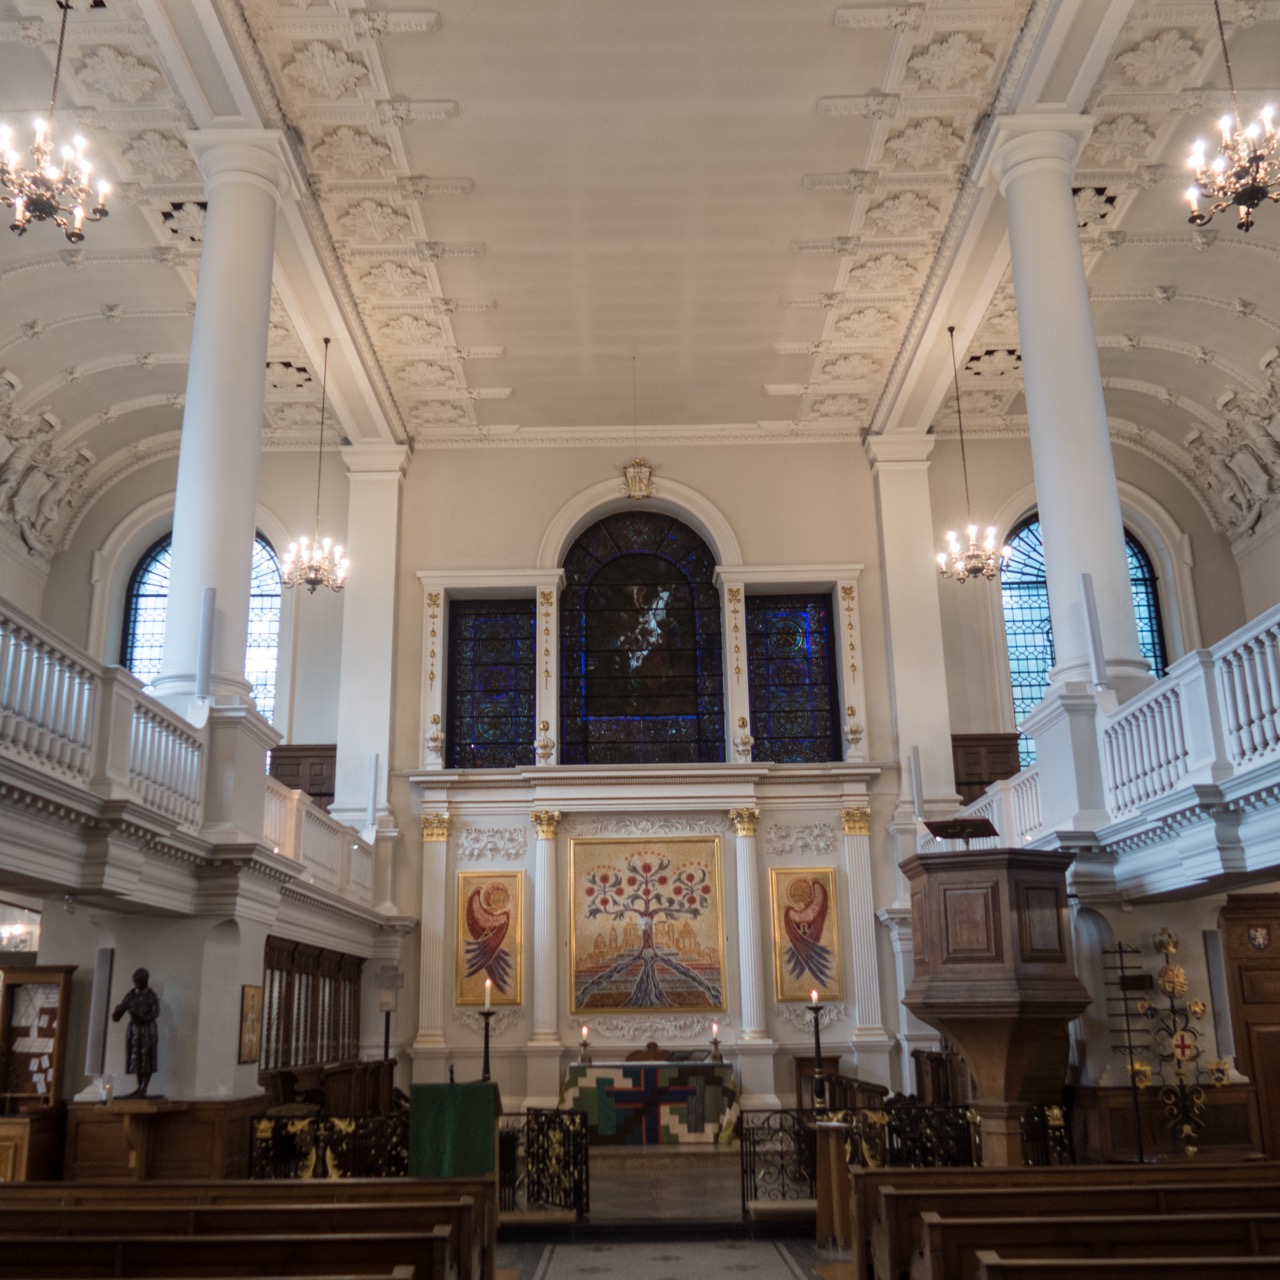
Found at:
<point>488,992</point>
<point>813,997</point>
<point>584,1031</point>
<point>715,1030</point>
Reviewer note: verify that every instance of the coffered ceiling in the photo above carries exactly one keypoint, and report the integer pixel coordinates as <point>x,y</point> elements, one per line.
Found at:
<point>767,210</point>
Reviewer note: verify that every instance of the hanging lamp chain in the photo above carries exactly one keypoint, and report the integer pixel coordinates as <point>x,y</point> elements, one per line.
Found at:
<point>1226,59</point>
<point>324,390</point>
<point>964,462</point>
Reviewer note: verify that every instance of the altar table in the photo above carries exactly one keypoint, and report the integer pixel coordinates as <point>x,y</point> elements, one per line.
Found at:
<point>654,1103</point>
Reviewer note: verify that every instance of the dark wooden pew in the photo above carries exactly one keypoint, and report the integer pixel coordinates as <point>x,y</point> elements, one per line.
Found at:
<point>991,1266</point>
<point>458,1216</point>
<point>896,1230</point>
<point>195,1256</point>
<point>319,1191</point>
<point>951,1245</point>
<point>867,1184</point>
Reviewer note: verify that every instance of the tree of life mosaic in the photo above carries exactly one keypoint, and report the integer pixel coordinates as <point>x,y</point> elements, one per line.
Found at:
<point>646,926</point>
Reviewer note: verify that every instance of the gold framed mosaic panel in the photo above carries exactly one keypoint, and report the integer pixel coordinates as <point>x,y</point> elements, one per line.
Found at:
<point>490,937</point>
<point>646,932</point>
<point>806,940</point>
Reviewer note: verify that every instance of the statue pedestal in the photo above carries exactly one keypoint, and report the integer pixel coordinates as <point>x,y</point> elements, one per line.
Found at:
<point>994,972</point>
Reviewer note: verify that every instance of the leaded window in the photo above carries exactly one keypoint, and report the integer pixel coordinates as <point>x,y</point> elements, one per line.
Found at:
<point>492,688</point>
<point>147,605</point>
<point>791,675</point>
<point>641,664</point>
<point>1024,597</point>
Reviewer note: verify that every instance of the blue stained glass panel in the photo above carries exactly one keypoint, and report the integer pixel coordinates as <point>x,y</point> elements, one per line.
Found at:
<point>1024,597</point>
<point>492,691</point>
<point>791,674</point>
<point>147,605</point>
<point>641,674</point>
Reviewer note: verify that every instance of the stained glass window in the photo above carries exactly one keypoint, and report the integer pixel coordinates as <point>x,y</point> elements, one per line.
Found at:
<point>147,603</point>
<point>791,674</point>
<point>641,666</point>
<point>492,684</point>
<point>1025,599</point>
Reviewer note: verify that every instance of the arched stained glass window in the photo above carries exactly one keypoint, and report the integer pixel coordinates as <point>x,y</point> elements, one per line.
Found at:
<point>147,603</point>
<point>1024,598</point>
<point>641,673</point>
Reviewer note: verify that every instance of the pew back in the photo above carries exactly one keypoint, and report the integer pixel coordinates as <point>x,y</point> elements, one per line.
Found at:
<point>991,1266</point>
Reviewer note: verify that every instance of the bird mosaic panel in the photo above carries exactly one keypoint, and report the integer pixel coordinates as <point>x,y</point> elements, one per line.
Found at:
<point>806,944</point>
<point>490,937</point>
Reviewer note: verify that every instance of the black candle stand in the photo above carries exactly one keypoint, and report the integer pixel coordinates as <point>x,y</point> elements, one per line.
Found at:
<point>819,1084</point>
<point>487,1015</point>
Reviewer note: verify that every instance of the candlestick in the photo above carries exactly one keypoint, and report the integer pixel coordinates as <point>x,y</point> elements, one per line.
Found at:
<point>819,1084</point>
<point>584,1057</point>
<point>487,1015</point>
<point>715,1043</point>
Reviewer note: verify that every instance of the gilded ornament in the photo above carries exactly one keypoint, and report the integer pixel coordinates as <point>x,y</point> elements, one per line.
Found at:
<point>1172,980</point>
<point>435,827</point>
<point>1165,942</point>
<point>744,820</point>
<point>857,822</point>
<point>545,821</point>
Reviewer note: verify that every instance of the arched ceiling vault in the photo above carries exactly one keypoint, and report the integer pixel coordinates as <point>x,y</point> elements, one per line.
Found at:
<point>774,207</point>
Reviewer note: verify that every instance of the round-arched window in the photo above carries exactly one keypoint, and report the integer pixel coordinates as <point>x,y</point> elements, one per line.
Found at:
<point>641,665</point>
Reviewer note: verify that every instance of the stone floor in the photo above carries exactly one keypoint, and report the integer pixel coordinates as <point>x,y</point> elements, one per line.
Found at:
<point>665,1259</point>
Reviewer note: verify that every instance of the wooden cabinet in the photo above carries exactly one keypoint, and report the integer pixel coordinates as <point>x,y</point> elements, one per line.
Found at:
<point>34,1009</point>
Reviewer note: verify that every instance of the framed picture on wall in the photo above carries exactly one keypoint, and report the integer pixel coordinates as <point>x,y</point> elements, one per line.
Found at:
<point>646,929</point>
<point>250,1023</point>
<point>806,941</point>
<point>490,937</point>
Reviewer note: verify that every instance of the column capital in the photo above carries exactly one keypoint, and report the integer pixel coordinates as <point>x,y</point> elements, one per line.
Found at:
<point>857,821</point>
<point>744,821</point>
<point>1019,144</point>
<point>376,459</point>
<point>545,822</point>
<point>435,828</point>
<point>255,156</point>
<point>898,448</point>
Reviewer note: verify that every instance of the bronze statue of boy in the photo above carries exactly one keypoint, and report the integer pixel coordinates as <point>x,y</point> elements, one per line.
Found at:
<point>143,1007</point>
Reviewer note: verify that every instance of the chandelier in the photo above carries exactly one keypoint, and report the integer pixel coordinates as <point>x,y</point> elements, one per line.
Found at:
<point>49,191</point>
<point>963,561</point>
<point>1246,170</point>
<point>316,562</point>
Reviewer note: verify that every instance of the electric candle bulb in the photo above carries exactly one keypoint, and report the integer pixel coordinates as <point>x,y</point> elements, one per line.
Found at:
<point>488,991</point>
<point>1193,197</point>
<point>1225,125</point>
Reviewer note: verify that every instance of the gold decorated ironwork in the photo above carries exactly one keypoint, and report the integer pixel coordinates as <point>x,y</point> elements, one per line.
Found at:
<point>435,827</point>
<point>545,821</point>
<point>744,821</point>
<point>857,821</point>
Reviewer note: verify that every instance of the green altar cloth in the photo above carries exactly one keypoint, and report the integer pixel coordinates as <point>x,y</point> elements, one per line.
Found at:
<point>453,1129</point>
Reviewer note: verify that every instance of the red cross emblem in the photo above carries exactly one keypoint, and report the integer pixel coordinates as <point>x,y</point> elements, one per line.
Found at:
<point>1183,1048</point>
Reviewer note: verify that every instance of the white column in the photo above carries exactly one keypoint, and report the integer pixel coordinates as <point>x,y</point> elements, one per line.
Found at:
<point>733,614</point>
<point>433,978</point>
<point>912,1033</point>
<point>547,702</point>
<point>546,954</point>
<point>751,968</point>
<point>215,516</point>
<point>376,475</point>
<point>917,662</point>
<point>1033,159</point>
<point>871,1046</point>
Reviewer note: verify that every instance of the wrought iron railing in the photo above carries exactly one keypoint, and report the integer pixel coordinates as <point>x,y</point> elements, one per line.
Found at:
<point>778,1156</point>
<point>908,1134</point>
<point>1046,1136</point>
<point>544,1162</point>
<point>352,1147</point>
